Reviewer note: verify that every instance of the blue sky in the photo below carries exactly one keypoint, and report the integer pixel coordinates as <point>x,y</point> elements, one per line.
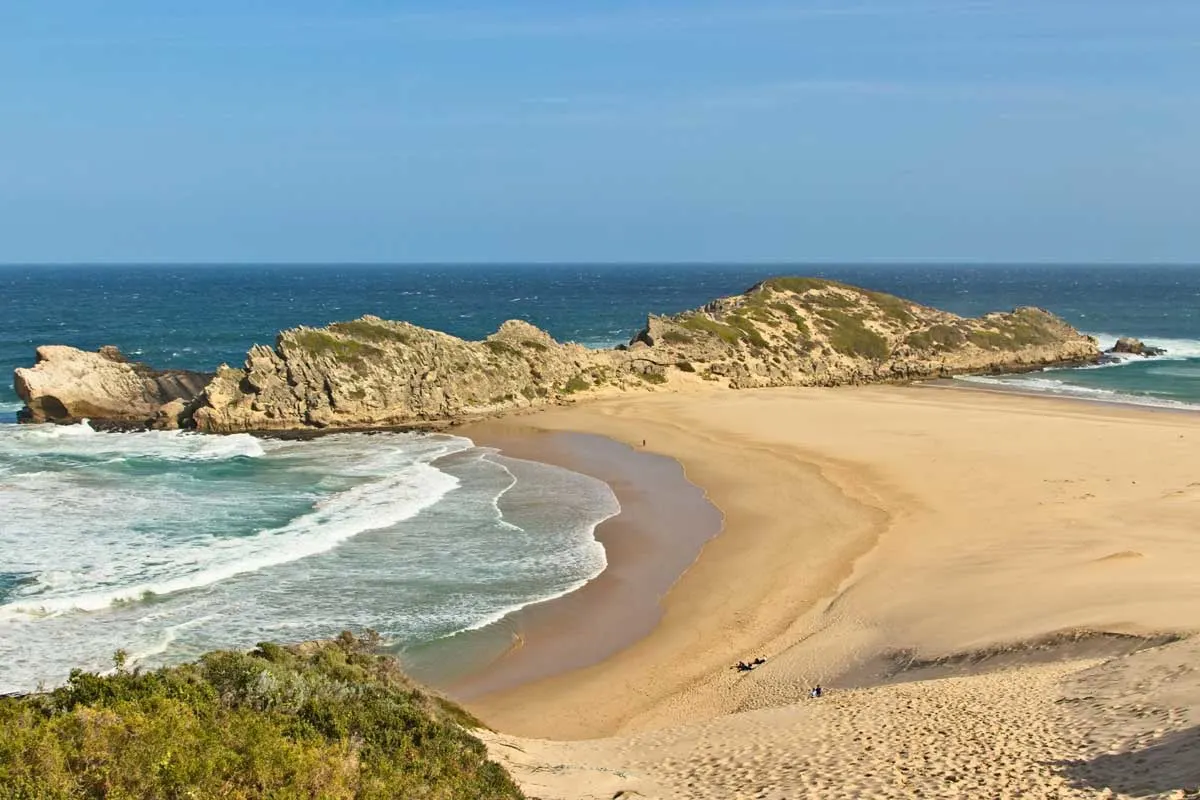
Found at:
<point>1056,130</point>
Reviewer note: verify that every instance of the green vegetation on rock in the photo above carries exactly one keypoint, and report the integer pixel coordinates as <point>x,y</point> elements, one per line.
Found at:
<point>677,337</point>
<point>577,383</point>
<point>366,330</point>
<point>323,343</point>
<point>501,348</point>
<point>330,720</point>
<point>945,336</point>
<point>653,377</point>
<point>726,333</point>
<point>748,330</point>
<point>797,285</point>
<point>849,336</point>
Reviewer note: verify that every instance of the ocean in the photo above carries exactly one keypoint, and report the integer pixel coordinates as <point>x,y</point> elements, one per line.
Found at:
<point>170,544</point>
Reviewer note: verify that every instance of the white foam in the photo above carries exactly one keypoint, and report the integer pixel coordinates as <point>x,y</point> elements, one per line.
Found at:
<point>1042,385</point>
<point>125,565</point>
<point>496,499</point>
<point>84,441</point>
<point>1177,349</point>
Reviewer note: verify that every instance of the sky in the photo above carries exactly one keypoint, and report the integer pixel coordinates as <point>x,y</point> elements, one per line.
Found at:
<point>712,130</point>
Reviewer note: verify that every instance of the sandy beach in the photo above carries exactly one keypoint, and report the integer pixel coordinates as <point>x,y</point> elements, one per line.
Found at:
<point>872,537</point>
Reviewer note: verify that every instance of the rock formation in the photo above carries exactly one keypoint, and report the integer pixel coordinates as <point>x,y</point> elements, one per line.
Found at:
<point>1127,344</point>
<point>370,372</point>
<point>69,385</point>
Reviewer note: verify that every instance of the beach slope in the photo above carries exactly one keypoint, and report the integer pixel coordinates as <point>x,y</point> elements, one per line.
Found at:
<point>1017,554</point>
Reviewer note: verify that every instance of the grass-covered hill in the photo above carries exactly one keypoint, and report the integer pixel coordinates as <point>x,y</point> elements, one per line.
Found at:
<point>812,331</point>
<point>329,720</point>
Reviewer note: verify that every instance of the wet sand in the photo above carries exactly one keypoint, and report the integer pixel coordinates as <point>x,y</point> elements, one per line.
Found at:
<point>963,529</point>
<point>663,523</point>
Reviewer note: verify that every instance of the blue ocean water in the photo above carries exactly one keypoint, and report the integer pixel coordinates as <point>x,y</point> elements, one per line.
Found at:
<point>169,544</point>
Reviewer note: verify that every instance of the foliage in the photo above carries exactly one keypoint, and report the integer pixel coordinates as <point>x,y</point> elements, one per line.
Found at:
<point>330,720</point>
<point>577,383</point>
<point>653,377</point>
<point>789,310</point>
<point>797,285</point>
<point>685,366</point>
<point>676,337</point>
<point>892,307</point>
<point>366,330</point>
<point>946,336</point>
<point>726,333</point>
<point>534,344</point>
<point>325,343</point>
<point>1023,328</point>
<point>500,348</point>
<point>748,330</point>
<point>851,337</point>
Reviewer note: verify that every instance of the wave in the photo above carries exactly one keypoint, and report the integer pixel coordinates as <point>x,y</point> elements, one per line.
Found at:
<point>81,440</point>
<point>1043,385</point>
<point>406,490</point>
<point>1177,349</point>
<point>586,554</point>
<point>500,495</point>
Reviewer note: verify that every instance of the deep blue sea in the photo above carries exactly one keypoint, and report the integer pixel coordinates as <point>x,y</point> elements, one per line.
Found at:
<point>170,544</point>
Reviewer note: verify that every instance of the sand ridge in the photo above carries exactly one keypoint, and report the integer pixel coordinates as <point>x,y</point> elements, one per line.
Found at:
<point>871,520</point>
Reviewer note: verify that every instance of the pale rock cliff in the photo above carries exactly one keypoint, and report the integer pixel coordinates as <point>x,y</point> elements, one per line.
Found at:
<point>69,385</point>
<point>372,373</point>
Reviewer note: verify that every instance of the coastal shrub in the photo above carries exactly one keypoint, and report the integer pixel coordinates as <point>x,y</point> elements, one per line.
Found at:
<point>677,337</point>
<point>797,285</point>
<point>500,348</point>
<point>684,366</point>
<point>653,377</point>
<point>378,332</point>
<point>329,720</point>
<point>893,307</point>
<point>326,344</point>
<point>726,333</point>
<point>534,344</point>
<point>789,311</point>
<point>748,330</point>
<point>1012,335</point>
<point>849,336</point>
<point>577,383</point>
<point>936,336</point>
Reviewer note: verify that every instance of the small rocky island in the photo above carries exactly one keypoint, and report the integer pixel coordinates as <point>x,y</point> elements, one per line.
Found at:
<point>371,372</point>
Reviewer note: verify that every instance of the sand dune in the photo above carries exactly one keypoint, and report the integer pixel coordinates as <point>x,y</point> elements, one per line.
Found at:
<point>863,525</point>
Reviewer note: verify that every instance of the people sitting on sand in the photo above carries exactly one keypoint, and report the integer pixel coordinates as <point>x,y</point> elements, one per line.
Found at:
<point>742,666</point>
<point>759,660</point>
<point>816,692</point>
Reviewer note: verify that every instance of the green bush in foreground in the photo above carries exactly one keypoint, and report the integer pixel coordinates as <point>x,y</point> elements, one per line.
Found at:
<point>326,720</point>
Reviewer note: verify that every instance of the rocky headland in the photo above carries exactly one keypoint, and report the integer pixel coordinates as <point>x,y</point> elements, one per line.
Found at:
<point>371,372</point>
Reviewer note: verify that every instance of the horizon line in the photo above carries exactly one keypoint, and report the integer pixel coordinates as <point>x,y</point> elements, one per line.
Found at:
<point>966,262</point>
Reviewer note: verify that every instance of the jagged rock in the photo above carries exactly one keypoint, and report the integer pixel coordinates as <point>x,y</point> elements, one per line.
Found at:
<point>67,385</point>
<point>1132,346</point>
<point>370,372</point>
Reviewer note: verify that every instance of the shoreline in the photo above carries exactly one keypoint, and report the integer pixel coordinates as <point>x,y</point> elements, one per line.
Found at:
<point>825,501</point>
<point>663,523</point>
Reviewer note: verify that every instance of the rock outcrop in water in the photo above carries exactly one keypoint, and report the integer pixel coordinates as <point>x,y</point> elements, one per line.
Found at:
<point>69,385</point>
<point>372,373</point>
<point>1135,347</point>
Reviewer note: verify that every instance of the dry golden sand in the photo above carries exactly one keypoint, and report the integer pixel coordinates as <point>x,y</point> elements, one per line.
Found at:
<point>865,521</point>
